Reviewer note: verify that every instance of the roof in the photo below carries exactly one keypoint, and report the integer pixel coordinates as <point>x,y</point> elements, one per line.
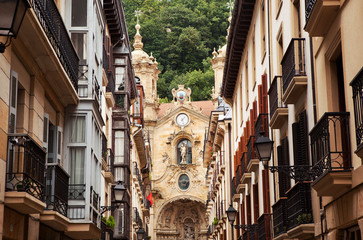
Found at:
<point>205,106</point>
<point>241,21</point>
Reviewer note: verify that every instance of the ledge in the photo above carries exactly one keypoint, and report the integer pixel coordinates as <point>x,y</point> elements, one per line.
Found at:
<point>253,165</point>
<point>241,188</point>
<point>303,231</point>
<point>55,220</point>
<point>236,197</point>
<point>281,236</point>
<point>109,178</point>
<point>321,17</point>
<point>279,118</point>
<point>246,178</point>
<point>24,203</point>
<point>83,231</point>
<point>296,87</point>
<point>333,184</point>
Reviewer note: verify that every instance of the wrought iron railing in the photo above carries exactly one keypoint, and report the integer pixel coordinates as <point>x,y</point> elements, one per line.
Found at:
<point>104,147</point>
<point>275,95</point>
<point>264,228</point>
<point>261,125</point>
<point>279,210</point>
<point>330,144</point>
<point>25,166</point>
<point>95,199</point>
<point>357,87</point>
<point>57,189</point>
<point>234,185</point>
<point>309,6</point>
<point>299,208</point>
<point>238,174</point>
<point>138,176</point>
<point>293,62</point>
<point>76,191</point>
<point>251,153</point>
<point>53,26</point>
<point>136,217</point>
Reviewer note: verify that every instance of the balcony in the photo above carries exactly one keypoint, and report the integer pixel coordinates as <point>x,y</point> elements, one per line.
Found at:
<point>261,125</point>
<point>330,151</point>
<point>106,232</point>
<point>46,39</point>
<point>240,174</point>
<point>357,87</point>
<point>25,181</point>
<point>319,15</point>
<point>138,181</point>
<point>136,219</point>
<point>279,210</point>
<point>55,214</point>
<point>234,194</point>
<point>299,212</point>
<point>252,159</point>
<point>293,71</point>
<point>278,109</point>
<point>264,226</point>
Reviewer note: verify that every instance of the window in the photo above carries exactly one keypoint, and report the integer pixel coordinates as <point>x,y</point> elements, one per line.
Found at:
<point>78,129</point>
<point>253,62</point>
<point>79,41</point>
<point>13,101</point>
<point>183,182</point>
<point>120,74</point>
<point>280,51</point>
<point>184,152</point>
<point>79,13</point>
<point>120,174</point>
<point>263,30</point>
<point>119,146</point>
<point>54,149</point>
<point>247,85</point>
<point>352,233</point>
<point>77,165</point>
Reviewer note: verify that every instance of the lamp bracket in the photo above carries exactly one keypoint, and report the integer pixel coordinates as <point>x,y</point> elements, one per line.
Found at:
<point>247,227</point>
<point>108,208</point>
<point>297,172</point>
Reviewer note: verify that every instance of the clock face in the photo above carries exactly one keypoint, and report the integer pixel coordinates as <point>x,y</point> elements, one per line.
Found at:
<point>182,119</point>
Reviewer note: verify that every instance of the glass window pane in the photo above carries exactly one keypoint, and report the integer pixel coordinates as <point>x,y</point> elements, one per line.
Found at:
<point>77,166</point>
<point>79,13</point>
<point>119,146</point>
<point>78,129</point>
<point>79,41</point>
<point>120,74</point>
<point>119,61</point>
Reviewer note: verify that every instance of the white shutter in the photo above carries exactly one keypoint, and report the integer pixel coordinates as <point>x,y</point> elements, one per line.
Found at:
<point>13,101</point>
<point>59,144</point>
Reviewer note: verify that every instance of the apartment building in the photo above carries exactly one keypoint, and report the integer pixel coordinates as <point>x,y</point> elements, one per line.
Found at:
<point>68,84</point>
<point>291,76</point>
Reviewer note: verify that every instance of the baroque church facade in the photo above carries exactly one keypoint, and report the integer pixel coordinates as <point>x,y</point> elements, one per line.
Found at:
<point>176,131</point>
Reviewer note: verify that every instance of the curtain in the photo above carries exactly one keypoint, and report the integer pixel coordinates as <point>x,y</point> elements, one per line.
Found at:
<point>119,146</point>
<point>77,166</point>
<point>78,129</point>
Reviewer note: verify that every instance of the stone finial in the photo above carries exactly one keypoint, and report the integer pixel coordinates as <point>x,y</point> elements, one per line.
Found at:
<point>138,45</point>
<point>214,53</point>
<point>219,50</point>
<point>151,56</point>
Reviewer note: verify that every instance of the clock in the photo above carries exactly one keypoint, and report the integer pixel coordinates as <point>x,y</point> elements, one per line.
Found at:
<point>182,119</point>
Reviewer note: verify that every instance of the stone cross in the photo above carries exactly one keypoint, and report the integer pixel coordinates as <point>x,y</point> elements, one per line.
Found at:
<point>138,13</point>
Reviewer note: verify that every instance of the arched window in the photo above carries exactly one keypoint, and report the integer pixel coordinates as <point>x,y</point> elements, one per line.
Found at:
<point>184,152</point>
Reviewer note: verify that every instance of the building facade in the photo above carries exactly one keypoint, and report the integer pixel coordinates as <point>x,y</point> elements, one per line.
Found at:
<point>65,126</point>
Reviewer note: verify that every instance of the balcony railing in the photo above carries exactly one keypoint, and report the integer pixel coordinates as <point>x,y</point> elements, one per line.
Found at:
<point>293,62</point>
<point>261,125</point>
<point>275,95</point>
<point>357,87</point>
<point>104,147</point>
<point>299,209</point>
<point>76,191</point>
<point>330,145</point>
<point>264,232</point>
<point>53,26</point>
<point>136,217</point>
<point>279,217</point>
<point>234,184</point>
<point>95,199</point>
<point>25,166</point>
<point>251,153</point>
<point>57,189</point>
<point>309,5</point>
<point>239,174</point>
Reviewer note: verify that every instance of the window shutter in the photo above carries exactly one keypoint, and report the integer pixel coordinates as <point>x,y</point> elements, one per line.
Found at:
<point>13,101</point>
<point>264,93</point>
<point>45,130</point>
<point>252,122</point>
<point>255,202</point>
<point>260,100</point>
<point>248,206</point>
<point>59,143</point>
<point>283,160</point>
<point>300,135</point>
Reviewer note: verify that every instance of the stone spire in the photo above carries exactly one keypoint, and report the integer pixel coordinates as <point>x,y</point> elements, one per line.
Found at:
<point>138,38</point>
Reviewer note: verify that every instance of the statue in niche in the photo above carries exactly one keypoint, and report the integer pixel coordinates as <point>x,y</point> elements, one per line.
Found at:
<point>183,152</point>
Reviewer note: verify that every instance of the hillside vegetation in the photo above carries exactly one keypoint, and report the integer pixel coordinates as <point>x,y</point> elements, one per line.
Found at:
<point>181,34</point>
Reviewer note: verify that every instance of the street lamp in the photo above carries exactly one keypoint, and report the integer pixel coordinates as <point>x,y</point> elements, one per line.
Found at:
<point>118,192</point>
<point>12,13</point>
<point>263,146</point>
<point>231,214</point>
<point>140,233</point>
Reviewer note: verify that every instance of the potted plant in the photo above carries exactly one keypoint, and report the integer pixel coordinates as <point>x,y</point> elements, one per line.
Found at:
<point>215,221</point>
<point>110,223</point>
